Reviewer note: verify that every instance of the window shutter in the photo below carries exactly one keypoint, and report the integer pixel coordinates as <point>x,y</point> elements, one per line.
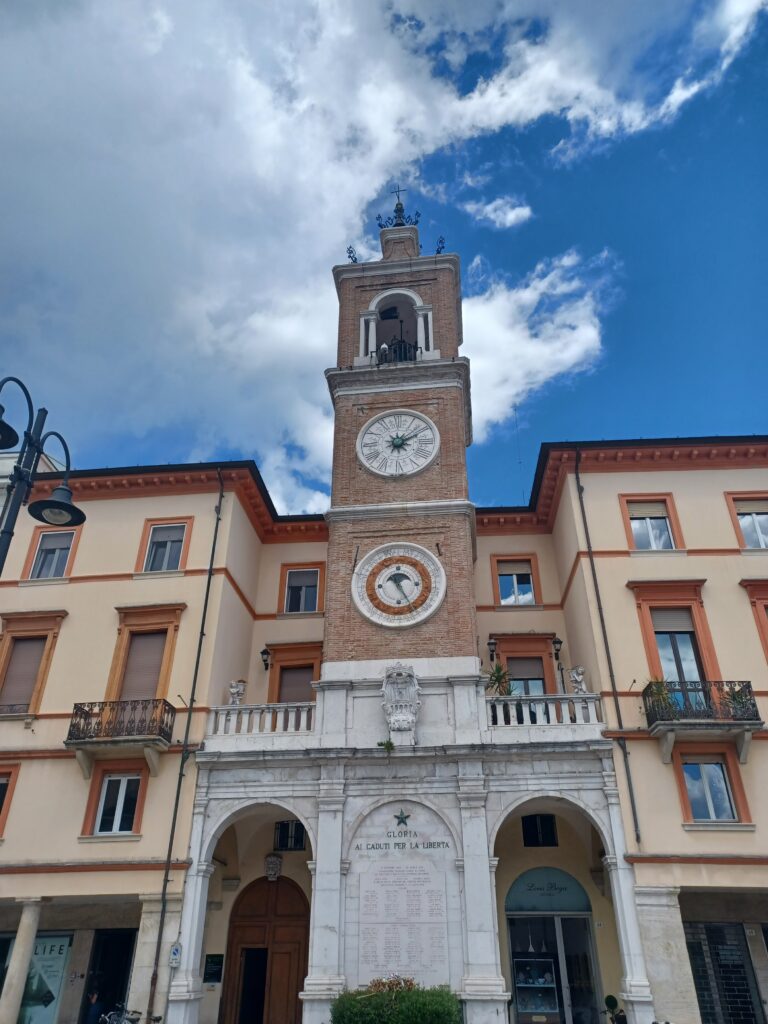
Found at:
<point>525,668</point>
<point>22,672</point>
<point>295,684</point>
<point>674,620</point>
<point>512,568</point>
<point>758,507</point>
<point>302,577</point>
<point>142,666</point>
<point>654,509</point>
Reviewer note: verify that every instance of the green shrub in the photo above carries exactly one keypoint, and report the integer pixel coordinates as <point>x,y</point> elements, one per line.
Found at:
<point>418,1006</point>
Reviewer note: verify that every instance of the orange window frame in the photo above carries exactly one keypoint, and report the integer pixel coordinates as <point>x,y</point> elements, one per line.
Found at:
<point>34,544</point>
<point>731,497</point>
<point>757,591</point>
<point>291,656</point>
<point>527,645</point>
<point>514,556</point>
<point>674,594</point>
<point>146,533</point>
<point>287,567</point>
<point>625,500</point>
<point>724,752</point>
<point>30,625</point>
<point>148,619</point>
<point>101,771</point>
<point>9,770</point>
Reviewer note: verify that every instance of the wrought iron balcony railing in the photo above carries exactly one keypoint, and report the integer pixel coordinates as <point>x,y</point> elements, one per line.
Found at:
<point>397,351</point>
<point>100,721</point>
<point>700,701</point>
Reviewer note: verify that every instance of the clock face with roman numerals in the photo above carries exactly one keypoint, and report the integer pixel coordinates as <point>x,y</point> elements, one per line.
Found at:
<point>398,443</point>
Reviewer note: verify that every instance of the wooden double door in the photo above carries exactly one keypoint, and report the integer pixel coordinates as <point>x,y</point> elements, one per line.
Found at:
<point>266,958</point>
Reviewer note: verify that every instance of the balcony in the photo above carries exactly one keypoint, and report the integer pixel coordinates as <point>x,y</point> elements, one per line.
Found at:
<point>706,709</point>
<point>552,718</point>
<point>397,351</point>
<point>120,727</point>
<point>262,726</point>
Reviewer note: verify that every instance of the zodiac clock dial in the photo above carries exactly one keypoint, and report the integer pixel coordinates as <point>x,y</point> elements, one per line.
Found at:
<point>398,443</point>
<point>398,585</point>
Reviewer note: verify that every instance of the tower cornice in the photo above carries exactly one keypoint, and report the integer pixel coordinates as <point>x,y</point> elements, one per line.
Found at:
<point>385,268</point>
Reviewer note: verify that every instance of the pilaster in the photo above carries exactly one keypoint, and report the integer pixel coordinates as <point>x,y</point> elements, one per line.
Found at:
<point>666,953</point>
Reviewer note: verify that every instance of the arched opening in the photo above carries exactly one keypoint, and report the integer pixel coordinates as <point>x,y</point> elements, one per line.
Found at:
<point>396,329</point>
<point>256,940</point>
<point>557,933</point>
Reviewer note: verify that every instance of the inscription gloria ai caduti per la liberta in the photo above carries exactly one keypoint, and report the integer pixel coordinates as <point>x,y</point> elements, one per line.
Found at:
<point>402,893</point>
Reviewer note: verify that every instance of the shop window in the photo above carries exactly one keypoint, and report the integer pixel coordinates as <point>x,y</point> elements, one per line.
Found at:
<point>26,649</point>
<point>289,835</point>
<point>141,665</point>
<point>164,545</point>
<point>293,667</point>
<point>116,799</point>
<point>301,588</point>
<point>539,830</point>
<point>52,555</point>
<point>709,793</point>
<point>515,581</point>
<point>650,522</point>
<point>8,776</point>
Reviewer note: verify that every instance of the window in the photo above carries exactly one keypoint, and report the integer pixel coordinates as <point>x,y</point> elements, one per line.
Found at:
<point>526,677</point>
<point>164,545</point>
<point>301,590</point>
<point>302,587</point>
<point>8,776</point>
<point>753,522</point>
<point>709,793</point>
<point>650,522</point>
<point>26,648</point>
<point>515,580</point>
<point>757,591</point>
<point>539,830</point>
<point>52,554</point>
<point>164,549</point>
<point>679,655</point>
<point>141,664</point>
<point>289,835</point>
<point>292,669</point>
<point>117,804</point>
<point>295,684</point>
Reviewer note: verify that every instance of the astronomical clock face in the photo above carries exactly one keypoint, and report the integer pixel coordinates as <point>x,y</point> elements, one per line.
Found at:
<point>398,585</point>
<point>398,443</point>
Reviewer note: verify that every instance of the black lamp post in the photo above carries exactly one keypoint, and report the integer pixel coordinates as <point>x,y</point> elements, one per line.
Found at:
<point>557,646</point>
<point>57,510</point>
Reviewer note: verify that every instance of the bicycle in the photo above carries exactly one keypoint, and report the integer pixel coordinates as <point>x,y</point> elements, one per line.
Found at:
<point>122,1015</point>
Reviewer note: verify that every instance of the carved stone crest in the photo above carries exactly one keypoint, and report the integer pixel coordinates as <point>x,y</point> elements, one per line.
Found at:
<point>401,703</point>
<point>236,692</point>
<point>577,679</point>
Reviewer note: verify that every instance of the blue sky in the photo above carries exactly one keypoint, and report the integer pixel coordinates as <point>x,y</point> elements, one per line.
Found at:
<point>179,178</point>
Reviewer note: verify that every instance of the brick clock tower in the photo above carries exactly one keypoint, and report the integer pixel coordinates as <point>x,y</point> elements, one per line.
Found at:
<point>401,525</point>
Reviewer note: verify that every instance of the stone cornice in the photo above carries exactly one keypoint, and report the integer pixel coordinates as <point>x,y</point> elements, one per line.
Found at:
<point>388,268</point>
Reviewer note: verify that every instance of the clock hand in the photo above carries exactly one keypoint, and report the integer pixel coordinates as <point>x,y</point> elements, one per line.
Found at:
<point>419,431</point>
<point>399,586</point>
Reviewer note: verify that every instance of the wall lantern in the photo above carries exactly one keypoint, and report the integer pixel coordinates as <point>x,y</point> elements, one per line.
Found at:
<point>265,658</point>
<point>492,648</point>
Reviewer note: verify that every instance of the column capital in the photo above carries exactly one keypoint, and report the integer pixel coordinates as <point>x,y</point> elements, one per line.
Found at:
<point>472,799</point>
<point>34,900</point>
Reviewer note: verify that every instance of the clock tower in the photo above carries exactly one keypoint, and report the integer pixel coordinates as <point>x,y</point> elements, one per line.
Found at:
<point>401,526</point>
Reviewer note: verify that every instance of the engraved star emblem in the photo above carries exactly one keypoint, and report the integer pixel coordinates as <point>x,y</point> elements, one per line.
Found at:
<point>402,818</point>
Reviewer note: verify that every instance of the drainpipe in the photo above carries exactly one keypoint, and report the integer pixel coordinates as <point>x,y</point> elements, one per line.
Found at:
<point>185,755</point>
<point>611,674</point>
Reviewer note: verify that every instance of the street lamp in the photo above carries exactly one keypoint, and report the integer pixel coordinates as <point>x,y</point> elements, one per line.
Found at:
<point>58,510</point>
<point>557,646</point>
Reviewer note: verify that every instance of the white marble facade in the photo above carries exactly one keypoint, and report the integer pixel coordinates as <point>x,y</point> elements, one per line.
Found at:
<point>402,841</point>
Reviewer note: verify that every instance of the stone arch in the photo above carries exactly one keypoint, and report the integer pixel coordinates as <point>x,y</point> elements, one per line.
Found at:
<point>382,802</point>
<point>229,815</point>
<point>602,827</point>
<point>390,292</point>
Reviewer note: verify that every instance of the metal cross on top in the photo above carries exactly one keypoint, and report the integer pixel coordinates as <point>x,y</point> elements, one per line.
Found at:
<point>397,190</point>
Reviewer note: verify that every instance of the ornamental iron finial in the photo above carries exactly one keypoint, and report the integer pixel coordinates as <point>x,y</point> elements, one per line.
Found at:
<point>351,254</point>
<point>400,218</point>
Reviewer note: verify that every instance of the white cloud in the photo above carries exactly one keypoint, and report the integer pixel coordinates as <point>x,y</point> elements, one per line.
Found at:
<point>178,177</point>
<point>503,212</point>
<point>519,338</point>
